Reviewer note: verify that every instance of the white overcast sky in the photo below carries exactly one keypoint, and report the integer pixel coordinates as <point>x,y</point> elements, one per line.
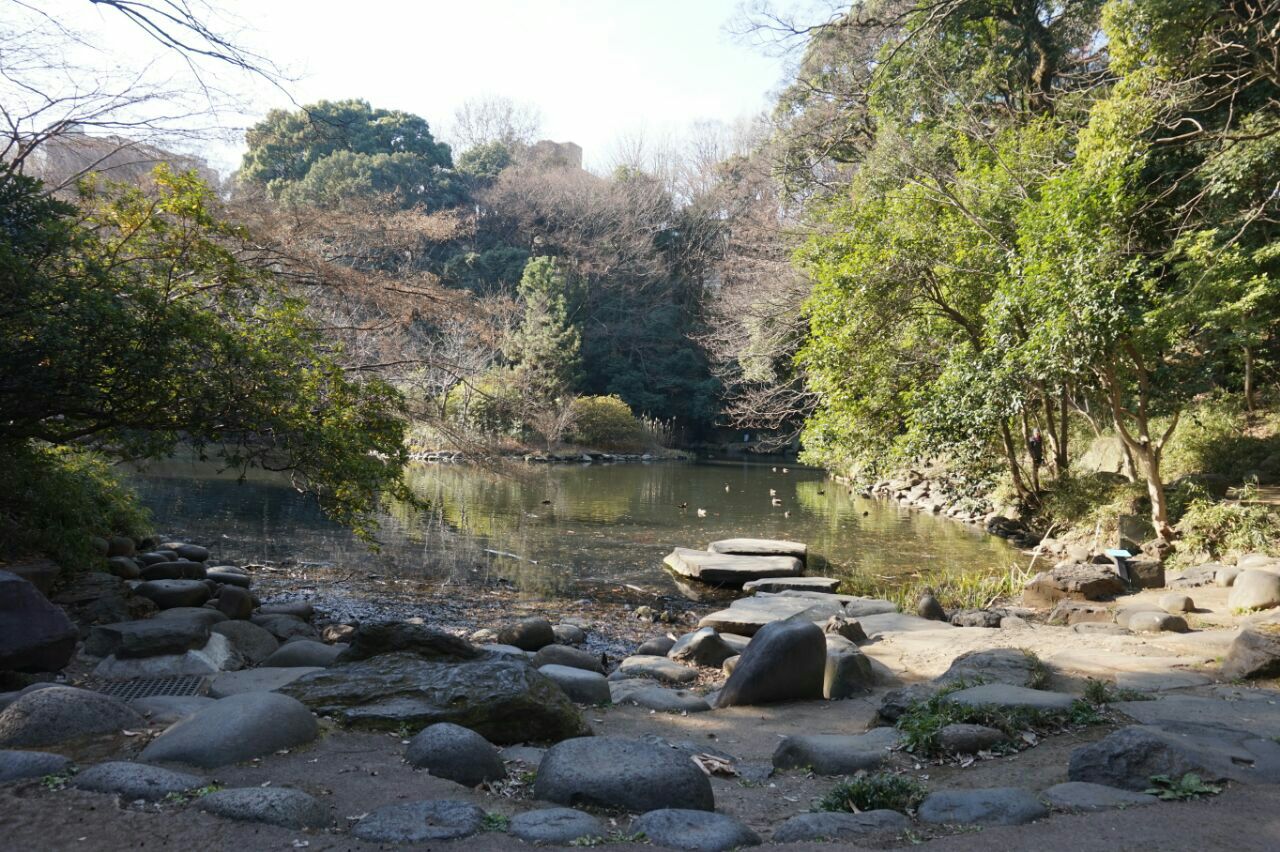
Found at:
<point>597,69</point>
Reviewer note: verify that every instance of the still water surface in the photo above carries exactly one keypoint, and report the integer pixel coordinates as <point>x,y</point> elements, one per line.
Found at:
<point>567,530</point>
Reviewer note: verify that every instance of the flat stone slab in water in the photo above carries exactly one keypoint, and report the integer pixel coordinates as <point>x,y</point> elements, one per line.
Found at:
<point>704,831</point>
<point>746,616</point>
<point>835,754</point>
<point>1007,695</point>
<point>760,547</point>
<point>721,569</point>
<point>559,826</point>
<point>993,806</point>
<point>256,680</point>
<point>613,772</point>
<point>19,765</point>
<point>1083,796</point>
<point>829,826</point>
<point>416,822</point>
<point>271,805</point>
<point>133,781</point>
<point>783,584</point>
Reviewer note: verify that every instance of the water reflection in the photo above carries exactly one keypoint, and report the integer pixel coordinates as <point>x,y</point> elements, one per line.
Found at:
<point>566,530</point>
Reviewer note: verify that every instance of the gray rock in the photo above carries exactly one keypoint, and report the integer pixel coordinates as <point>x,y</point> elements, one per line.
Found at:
<point>528,634</point>
<point>456,754</point>
<point>569,634</point>
<point>835,754</point>
<point>703,831</point>
<point>235,602</point>
<point>645,694</point>
<point>284,626</point>
<point>203,614</point>
<point>1127,758</point>
<point>582,686</point>
<point>298,609</point>
<point>152,557</point>
<point>303,652</point>
<point>1071,612</point>
<point>1251,561</point>
<point>1006,695</point>
<point>1240,709</point>
<point>1255,652</point>
<point>504,699</point>
<point>1157,622</point>
<point>121,545</point>
<point>848,673</point>
<point>720,569</point>
<point>555,826</point>
<point>1083,796</point>
<point>21,765</point>
<point>1255,589</point>
<point>230,575</point>
<point>845,628</point>
<point>167,709</point>
<point>782,584</point>
<point>528,755</point>
<point>879,624</point>
<point>7,698</point>
<point>146,638</point>
<point>63,714</point>
<point>830,826</point>
<point>930,607</point>
<point>760,547</point>
<point>193,552</point>
<point>961,738</point>
<point>1076,581</point>
<point>233,729</point>
<point>183,569</point>
<point>1225,576</point>
<point>786,661</point>
<point>658,646</point>
<point>124,567</point>
<point>374,638</point>
<point>992,806</point>
<point>417,822</point>
<point>269,679</point>
<point>168,594</point>
<point>253,643</point>
<point>989,618</point>
<point>612,772</point>
<point>100,598</point>
<point>41,573</point>
<point>133,781</point>
<point>1193,578</point>
<point>35,635</point>
<point>746,616</point>
<point>214,656</point>
<point>1177,603</point>
<point>895,702</point>
<point>703,647</point>
<point>563,655</point>
<point>1124,615</point>
<point>656,668</point>
<point>271,805</point>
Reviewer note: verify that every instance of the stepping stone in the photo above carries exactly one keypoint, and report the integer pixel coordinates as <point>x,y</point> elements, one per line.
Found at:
<point>645,694</point>
<point>835,754</point>
<point>1127,758</point>
<point>657,668</point>
<point>417,822</point>
<point>746,616</point>
<point>582,686</point>
<point>303,652</point>
<point>828,826</point>
<point>256,680</point>
<point>133,781</point>
<point>20,765</point>
<point>1083,796</point>
<point>253,724</point>
<point>719,569</point>
<point>63,714</point>
<point>760,547</point>
<point>280,806</point>
<point>612,772</point>
<point>1009,696</point>
<point>782,584</point>
<point>878,624</point>
<point>704,831</point>
<point>993,806</point>
<point>214,656</point>
<point>147,638</point>
<point>456,754</point>
<point>555,826</point>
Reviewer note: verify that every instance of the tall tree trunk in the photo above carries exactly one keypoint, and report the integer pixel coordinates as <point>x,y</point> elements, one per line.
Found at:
<point>1144,449</point>
<point>1248,379</point>
<point>1011,457</point>
<point>1064,423</point>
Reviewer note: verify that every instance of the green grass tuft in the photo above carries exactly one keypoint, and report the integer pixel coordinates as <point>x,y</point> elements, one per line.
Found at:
<point>872,792</point>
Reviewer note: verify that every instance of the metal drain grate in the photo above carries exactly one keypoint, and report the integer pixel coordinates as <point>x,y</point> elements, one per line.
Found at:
<point>146,687</point>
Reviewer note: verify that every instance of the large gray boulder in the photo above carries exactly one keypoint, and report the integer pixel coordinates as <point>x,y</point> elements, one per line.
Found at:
<point>555,826</point>
<point>1255,652</point>
<point>133,781</point>
<point>270,805</point>
<point>504,699</point>
<point>253,643</point>
<point>192,552</point>
<point>719,569</point>
<point>20,765</point>
<point>35,635</point>
<point>828,826</point>
<point>128,639</point>
<point>701,831</point>
<point>848,673</point>
<point>786,661</point>
<point>1127,758</point>
<point>167,594</point>
<point>997,665</point>
<point>235,602</point>
<point>582,686</point>
<point>611,772</point>
<point>993,806</point>
<point>456,754</point>
<point>419,822</point>
<point>240,727</point>
<point>1079,581</point>
<point>374,638</point>
<point>63,714</point>
<point>1255,589</point>
<point>835,754</point>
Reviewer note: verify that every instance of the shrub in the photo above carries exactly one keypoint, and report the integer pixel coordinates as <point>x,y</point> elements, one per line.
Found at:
<point>874,792</point>
<point>606,422</point>
<point>57,499</point>
<point>1220,528</point>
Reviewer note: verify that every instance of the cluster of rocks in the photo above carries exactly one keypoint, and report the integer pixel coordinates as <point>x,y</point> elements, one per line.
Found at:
<point>939,497</point>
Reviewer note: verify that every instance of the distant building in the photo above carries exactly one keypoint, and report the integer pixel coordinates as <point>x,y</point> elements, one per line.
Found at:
<point>62,159</point>
<point>565,155</point>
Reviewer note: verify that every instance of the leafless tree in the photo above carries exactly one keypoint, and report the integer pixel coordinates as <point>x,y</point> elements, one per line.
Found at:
<point>495,119</point>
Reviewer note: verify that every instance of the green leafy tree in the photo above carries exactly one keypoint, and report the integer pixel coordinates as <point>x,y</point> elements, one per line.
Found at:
<point>546,349</point>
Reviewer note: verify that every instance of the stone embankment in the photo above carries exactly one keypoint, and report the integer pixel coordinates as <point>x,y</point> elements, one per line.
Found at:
<point>165,697</point>
<point>585,457</point>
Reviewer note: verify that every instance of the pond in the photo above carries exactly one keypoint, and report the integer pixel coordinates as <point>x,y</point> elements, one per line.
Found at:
<point>567,530</point>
